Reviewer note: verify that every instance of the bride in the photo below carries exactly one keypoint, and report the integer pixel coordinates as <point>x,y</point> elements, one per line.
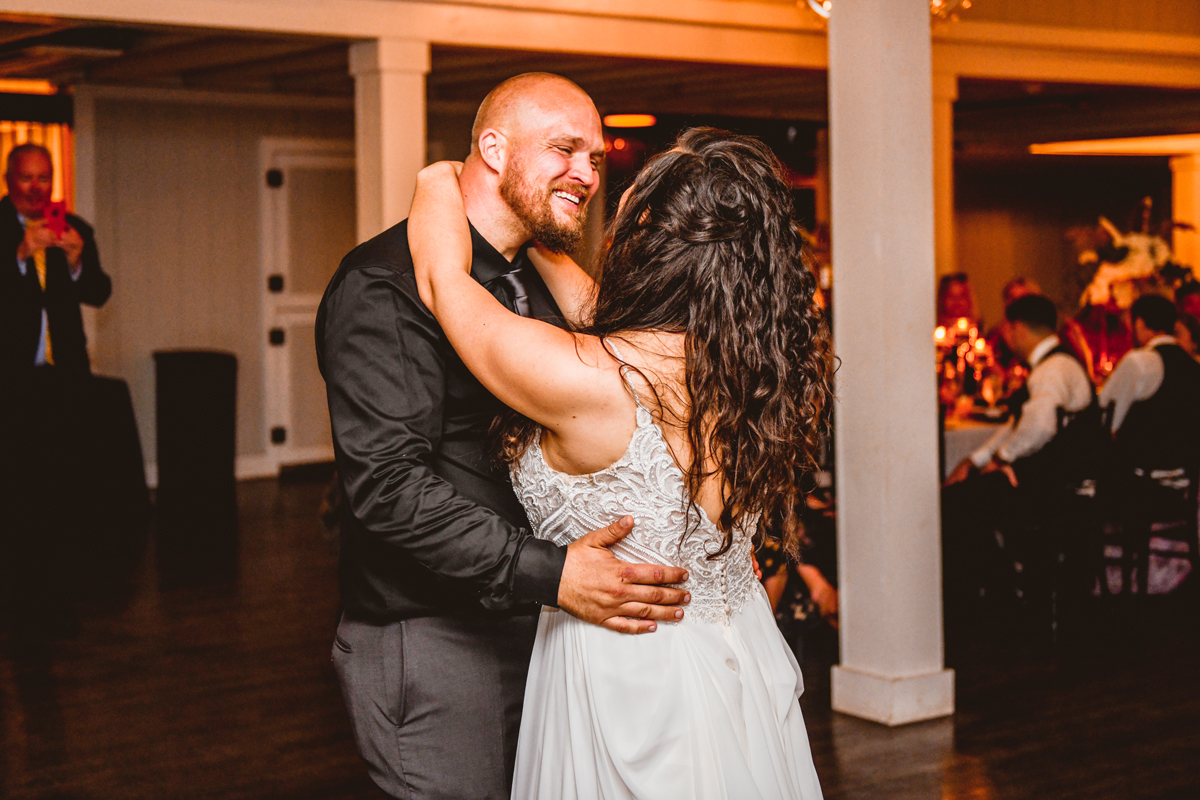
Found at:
<point>687,395</point>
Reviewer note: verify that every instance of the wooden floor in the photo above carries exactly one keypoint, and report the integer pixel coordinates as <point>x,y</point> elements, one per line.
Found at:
<point>209,677</point>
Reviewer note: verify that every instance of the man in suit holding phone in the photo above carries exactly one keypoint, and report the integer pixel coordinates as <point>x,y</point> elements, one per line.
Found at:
<point>48,266</point>
<point>53,266</point>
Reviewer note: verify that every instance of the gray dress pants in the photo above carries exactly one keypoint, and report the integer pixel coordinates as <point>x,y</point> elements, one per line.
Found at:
<point>435,702</point>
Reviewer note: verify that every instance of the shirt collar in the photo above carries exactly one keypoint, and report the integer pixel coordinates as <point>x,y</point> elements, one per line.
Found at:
<point>1163,338</point>
<point>486,262</point>
<point>1042,350</point>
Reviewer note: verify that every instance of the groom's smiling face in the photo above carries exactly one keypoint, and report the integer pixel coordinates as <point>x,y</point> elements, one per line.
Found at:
<point>553,166</point>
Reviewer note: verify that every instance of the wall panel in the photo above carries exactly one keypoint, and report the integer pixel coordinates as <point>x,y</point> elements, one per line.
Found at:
<point>177,227</point>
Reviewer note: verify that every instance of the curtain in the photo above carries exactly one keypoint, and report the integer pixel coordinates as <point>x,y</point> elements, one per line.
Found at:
<point>54,137</point>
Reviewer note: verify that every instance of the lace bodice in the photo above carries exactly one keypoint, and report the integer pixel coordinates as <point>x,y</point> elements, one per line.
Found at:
<point>646,484</point>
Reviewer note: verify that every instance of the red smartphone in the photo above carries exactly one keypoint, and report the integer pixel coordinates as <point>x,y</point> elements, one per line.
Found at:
<point>56,218</point>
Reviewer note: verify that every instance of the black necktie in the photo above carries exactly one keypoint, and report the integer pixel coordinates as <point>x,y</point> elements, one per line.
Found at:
<point>518,292</point>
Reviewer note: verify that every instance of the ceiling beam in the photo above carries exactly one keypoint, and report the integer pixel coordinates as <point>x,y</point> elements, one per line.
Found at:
<point>328,58</point>
<point>210,51</point>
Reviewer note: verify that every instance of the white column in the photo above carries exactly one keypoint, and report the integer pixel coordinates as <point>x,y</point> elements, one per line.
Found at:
<point>389,128</point>
<point>1185,207</point>
<point>945,92</point>
<point>882,209</point>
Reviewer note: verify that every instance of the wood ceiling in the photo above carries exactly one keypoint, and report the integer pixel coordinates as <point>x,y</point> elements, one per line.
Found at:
<point>462,76</point>
<point>69,52</point>
<point>991,118</point>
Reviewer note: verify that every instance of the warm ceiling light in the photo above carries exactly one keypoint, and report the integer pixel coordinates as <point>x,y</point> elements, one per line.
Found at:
<point>1137,146</point>
<point>942,9</point>
<point>630,121</point>
<point>22,86</point>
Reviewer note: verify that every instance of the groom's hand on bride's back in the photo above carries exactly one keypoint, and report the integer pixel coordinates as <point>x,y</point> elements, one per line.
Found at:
<point>624,597</point>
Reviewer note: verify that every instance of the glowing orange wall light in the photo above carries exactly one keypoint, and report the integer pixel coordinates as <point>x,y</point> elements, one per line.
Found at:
<point>630,121</point>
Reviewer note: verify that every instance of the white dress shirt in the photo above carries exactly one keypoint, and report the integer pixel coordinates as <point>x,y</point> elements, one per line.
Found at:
<point>1137,377</point>
<point>1055,381</point>
<point>39,358</point>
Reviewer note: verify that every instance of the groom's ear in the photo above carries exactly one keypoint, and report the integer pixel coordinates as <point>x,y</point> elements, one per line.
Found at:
<point>493,149</point>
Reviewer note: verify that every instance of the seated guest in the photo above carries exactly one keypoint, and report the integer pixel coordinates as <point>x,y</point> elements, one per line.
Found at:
<point>956,301</point>
<point>1057,380</point>
<point>1002,483</point>
<point>1187,333</point>
<point>1155,391</point>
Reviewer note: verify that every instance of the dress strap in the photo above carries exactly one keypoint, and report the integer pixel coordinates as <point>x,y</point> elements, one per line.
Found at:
<point>625,369</point>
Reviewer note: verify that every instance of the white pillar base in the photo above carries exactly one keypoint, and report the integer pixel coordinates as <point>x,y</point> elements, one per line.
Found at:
<point>893,701</point>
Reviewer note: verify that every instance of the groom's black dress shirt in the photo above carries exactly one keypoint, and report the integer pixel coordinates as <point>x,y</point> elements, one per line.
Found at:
<point>432,526</point>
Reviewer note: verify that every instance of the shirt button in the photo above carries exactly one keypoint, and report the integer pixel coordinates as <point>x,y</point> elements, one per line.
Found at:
<point>731,664</point>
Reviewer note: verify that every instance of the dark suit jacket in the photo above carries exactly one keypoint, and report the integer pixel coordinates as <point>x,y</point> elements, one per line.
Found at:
<point>432,525</point>
<point>22,299</point>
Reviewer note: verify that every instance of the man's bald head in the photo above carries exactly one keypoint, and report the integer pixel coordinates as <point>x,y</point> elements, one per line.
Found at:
<point>507,106</point>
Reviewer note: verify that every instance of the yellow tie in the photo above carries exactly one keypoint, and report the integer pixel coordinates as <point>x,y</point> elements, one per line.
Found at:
<point>39,263</point>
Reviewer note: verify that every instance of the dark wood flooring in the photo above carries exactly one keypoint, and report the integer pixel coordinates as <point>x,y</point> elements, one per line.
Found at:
<point>201,670</point>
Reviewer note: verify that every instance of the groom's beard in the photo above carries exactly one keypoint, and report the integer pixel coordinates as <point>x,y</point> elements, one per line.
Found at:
<point>533,208</point>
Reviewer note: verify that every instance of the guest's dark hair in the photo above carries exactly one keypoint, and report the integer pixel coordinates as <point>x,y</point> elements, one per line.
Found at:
<point>706,244</point>
<point>1156,311</point>
<point>943,290</point>
<point>1034,310</point>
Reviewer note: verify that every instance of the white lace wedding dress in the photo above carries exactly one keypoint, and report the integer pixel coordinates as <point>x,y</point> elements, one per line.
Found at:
<point>701,709</point>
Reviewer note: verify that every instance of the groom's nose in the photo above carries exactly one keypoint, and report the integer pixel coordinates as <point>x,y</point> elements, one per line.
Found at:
<point>582,172</point>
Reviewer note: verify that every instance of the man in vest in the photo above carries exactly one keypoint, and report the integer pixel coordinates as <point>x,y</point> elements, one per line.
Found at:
<point>1000,485</point>
<point>1155,392</point>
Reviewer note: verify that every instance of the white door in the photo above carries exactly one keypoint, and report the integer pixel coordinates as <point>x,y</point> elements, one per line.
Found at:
<point>308,224</point>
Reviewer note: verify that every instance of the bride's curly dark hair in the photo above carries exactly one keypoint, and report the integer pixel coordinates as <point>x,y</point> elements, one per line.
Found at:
<point>706,244</point>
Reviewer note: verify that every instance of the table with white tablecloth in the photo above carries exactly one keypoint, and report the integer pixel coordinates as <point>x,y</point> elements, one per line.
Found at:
<point>963,437</point>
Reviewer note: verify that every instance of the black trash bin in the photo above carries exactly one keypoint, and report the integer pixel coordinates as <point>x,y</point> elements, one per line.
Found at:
<point>196,395</point>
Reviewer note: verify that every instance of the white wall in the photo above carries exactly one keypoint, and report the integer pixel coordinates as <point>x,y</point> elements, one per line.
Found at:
<point>1012,219</point>
<point>177,226</point>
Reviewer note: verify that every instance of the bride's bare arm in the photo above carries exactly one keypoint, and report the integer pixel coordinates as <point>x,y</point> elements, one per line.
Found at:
<point>573,289</point>
<point>544,372</point>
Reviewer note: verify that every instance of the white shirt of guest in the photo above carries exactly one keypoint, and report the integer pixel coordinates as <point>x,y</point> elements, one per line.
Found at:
<point>1055,381</point>
<point>1136,378</point>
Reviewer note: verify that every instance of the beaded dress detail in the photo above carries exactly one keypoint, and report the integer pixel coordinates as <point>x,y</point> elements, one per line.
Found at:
<point>646,484</point>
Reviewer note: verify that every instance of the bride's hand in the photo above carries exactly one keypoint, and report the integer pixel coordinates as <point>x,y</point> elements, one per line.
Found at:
<point>439,236</point>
